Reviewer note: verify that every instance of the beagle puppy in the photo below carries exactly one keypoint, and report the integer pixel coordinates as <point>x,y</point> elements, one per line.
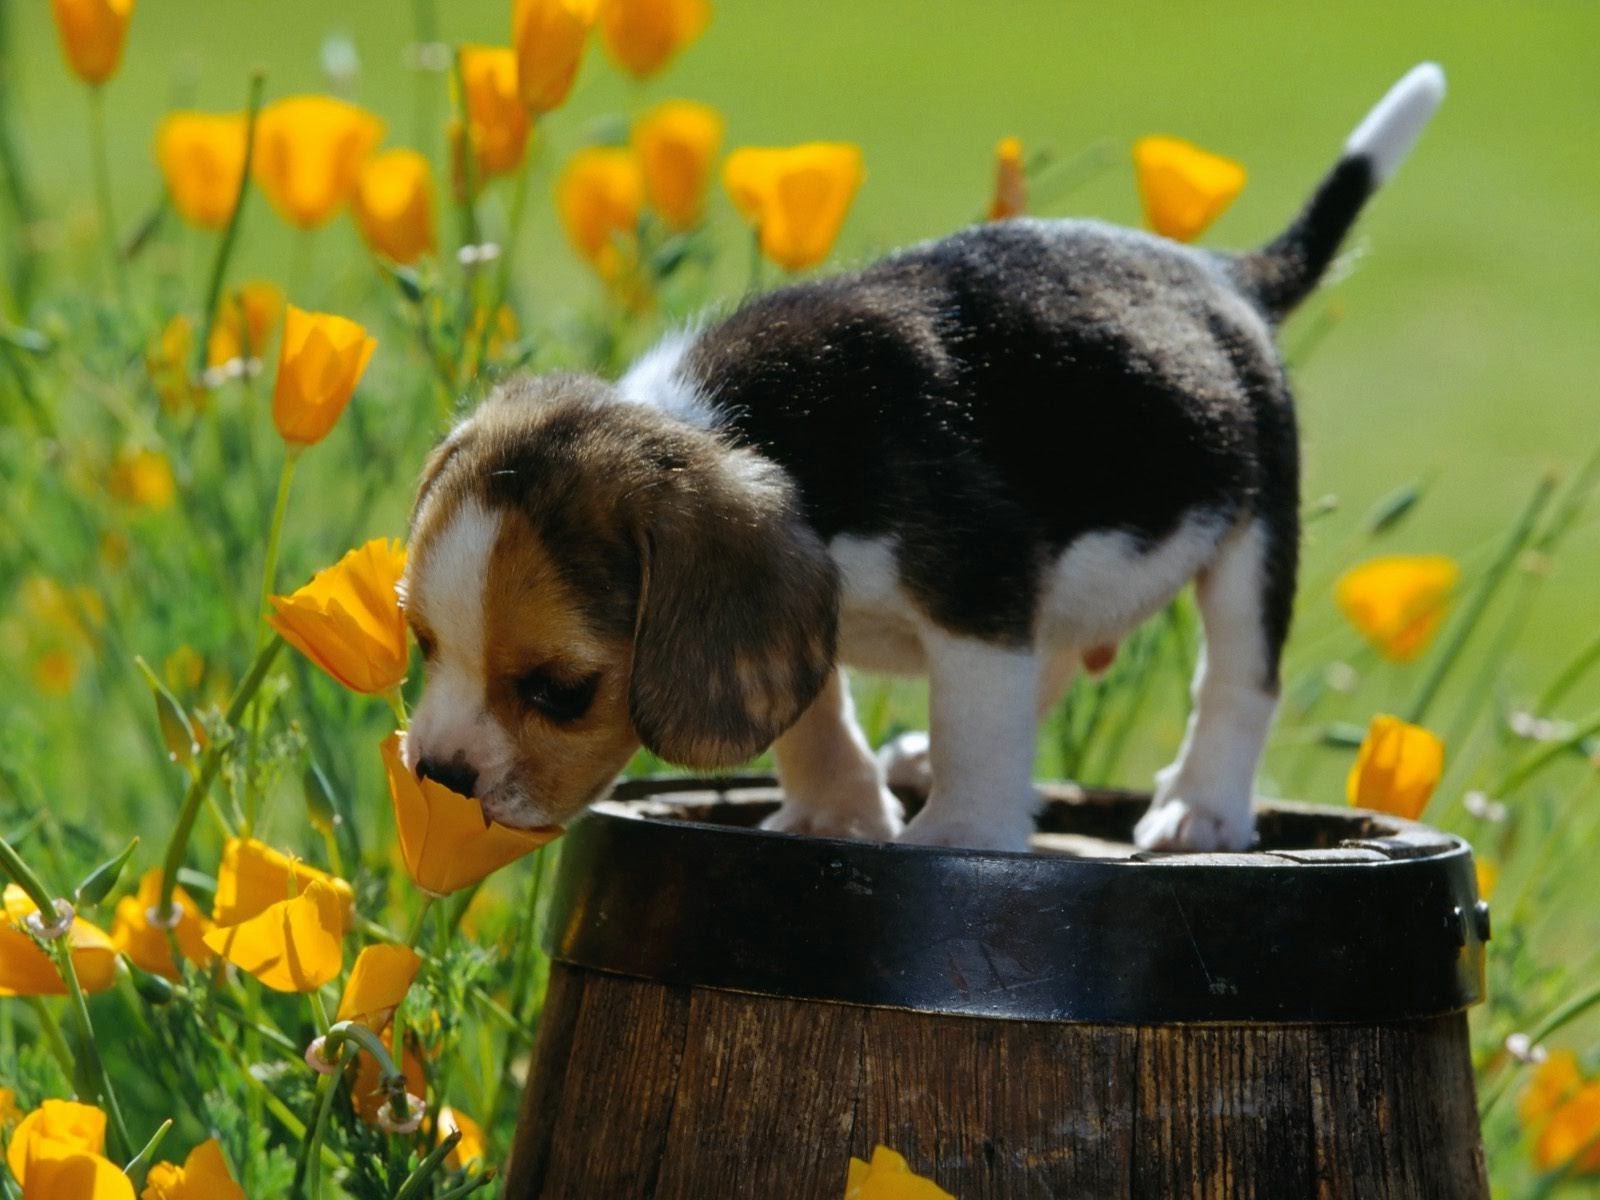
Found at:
<point>983,458</point>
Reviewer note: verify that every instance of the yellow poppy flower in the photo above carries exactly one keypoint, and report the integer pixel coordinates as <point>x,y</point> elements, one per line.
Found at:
<point>75,611</point>
<point>201,156</point>
<point>58,1173</point>
<point>676,143</point>
<point>143,478</point>
<point>887,1177</point>
<point>1397,602</point>
<point>470,1149</point>
<point>1183,187</point>
<point>600,195</point>
<point>167,362</point>
<point>498,121</point>
<point>10,1114</point>
<point>308,150</point>
<point>146,944</point>
<point>293,946</point>
<point>367,1094</point>
<point>348,621</point>
<point>796,197</point>
<point>548,36</point>
<point>184,668</point>
<point>244,323</point>
<point>55,672</point>
<point>642,35</point>
<point>253,876</point>
<point>1555,1080</point>
<point>79,1128</point>
<point>1396,769</point>
<point>1570,1139</point>
<point>444,840</point>
<point>203,1176</point>
<point>1010,182</point>
<point>377,983</point>
<point>92,33</point>
<point>394,205</point>
<point>26,970</point>
<point>1488,875</point>
<point>319,365</point>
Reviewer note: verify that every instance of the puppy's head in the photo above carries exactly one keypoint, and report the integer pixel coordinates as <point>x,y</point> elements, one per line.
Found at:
<point>585,575</point>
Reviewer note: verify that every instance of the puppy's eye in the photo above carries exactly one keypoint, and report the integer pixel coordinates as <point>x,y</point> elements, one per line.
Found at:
<point>424,644</point>
<point>560,701</point>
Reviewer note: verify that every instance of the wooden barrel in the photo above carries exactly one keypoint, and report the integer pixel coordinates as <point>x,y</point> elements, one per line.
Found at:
<point>734,1014</point>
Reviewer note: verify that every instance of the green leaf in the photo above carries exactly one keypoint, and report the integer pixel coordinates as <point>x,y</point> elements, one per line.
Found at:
<point>99,882</point>
<point>321,809</point>
<point>177,732</point>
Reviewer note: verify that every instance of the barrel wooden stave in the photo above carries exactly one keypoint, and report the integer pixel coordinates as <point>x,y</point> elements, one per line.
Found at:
<point>648,1090</point>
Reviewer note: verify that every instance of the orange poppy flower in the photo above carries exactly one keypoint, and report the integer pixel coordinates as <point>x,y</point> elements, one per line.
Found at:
<point>499,123</point>
<point>1183,187</point>
<point>641,36</point>
<point>599,196</point>
<point>394,205</point>
<point>795,197</point>
<point>1397,602</point>
<point>294,946</point>
<point>70,1125</point>
<point>322,359</point>
<point>203,1176</point>
<point>244,323</point>
<point>92,33</point>
<point>888,1177</point>
<point>1396,769</point>
<point>444,841</point>
<point>253,876</point>
<point>677,143</point>
<point>348,621</point>
<point>378,982</point>
<point>548,36</point>
<point>201,156</point>
<point>1010,181</point>
<point>147,945</point>
<point>308,151</point>
<point>26,970</point>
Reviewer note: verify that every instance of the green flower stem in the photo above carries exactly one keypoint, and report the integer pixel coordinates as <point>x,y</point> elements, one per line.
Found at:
<point>468,155</point>
<point>757,264</point>
<point>502,275</point>
<point>269,566</point>
<point>310,1147</point>
<point>416,1183</point>
<point>425,27</point>
<point>1528,768</point>
<point>210,761</point>
<point>1450,653</point>
<point>123,1145</point>
<point>11,863</point>
<point>397,705</point>
<point>141,1161</point>
<point>102,187</point>
<point>466,1189</point>
<point>319,1012</point>
<point>1563,683</point>
<point>52,1036</point>
<point>219,265</point>
<point>414,935</point>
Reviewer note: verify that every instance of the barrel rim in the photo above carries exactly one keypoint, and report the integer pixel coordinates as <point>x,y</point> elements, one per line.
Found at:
<point>1387,927</point>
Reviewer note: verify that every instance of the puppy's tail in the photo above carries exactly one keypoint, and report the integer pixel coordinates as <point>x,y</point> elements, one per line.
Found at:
<point>1283,272</point>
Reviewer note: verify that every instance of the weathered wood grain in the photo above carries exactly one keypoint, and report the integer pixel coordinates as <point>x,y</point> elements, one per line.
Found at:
<point>641,1091</point>
<point>765,1101</point>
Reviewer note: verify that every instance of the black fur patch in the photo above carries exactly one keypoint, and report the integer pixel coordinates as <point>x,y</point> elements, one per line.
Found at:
<point>986,399</point>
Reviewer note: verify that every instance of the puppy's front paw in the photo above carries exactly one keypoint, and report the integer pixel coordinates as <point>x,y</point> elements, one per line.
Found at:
<point>1182,825</point>
<point>881,822</point>
<point>905,764</point>
<point>963,833</point>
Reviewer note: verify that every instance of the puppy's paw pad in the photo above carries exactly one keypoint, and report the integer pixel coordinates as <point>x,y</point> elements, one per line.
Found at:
<point>964,835</point>
<point>1177,825</point>
<point>905,763</point>
<point>881,824</point>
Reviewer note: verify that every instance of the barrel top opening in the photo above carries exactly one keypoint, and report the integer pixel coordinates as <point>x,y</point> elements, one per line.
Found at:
<point>1338,915</point>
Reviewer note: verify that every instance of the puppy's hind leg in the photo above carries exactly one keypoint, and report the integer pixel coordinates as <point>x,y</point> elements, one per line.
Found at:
<point>1202,800</point>
<point>982,729</point>
<point>832,785</point>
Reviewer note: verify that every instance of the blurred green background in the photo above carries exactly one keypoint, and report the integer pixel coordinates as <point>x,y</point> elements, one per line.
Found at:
<point>1465,348</point>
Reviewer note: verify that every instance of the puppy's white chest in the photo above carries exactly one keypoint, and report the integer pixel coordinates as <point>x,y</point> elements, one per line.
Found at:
<point>877,625</point>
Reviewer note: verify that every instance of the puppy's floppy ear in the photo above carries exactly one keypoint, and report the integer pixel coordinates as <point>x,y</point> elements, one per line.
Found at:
<point>438,459</point>
<point>738,612</point>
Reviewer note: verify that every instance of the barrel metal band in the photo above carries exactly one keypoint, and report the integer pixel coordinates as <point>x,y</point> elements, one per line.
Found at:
<point>1344,916</point>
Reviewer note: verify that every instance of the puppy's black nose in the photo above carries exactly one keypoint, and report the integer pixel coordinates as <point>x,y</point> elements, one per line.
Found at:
<point>458,775</point>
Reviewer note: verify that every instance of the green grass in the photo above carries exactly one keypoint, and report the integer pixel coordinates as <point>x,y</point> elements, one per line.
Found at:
<point>1462,356</point>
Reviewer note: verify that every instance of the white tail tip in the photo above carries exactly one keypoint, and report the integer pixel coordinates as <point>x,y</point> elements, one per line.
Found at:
<point>1387,133</point>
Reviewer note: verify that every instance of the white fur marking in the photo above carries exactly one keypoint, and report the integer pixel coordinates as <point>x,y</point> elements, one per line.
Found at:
<point>447,586</point>
<point>1387,133</point>
<point>982,730</point>
<point>1202,801</point>
<point>658,381</point>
